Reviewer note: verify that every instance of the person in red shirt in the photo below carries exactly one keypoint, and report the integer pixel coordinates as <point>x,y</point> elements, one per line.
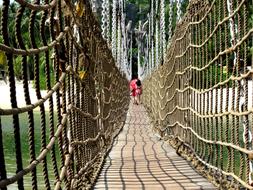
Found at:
<point>136,89</point>
<point>133,89</point>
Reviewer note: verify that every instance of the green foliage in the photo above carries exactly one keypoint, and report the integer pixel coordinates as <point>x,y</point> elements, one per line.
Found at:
<point>3,61</point>
<point>18,67</point>
<point>142,8</point>
<point>135,51</point>
<point>17,60</point>
<point>42,73</point>
<point>142,60</point>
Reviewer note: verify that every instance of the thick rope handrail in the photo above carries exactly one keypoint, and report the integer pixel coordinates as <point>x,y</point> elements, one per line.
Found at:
<point>83,110</point>
<point>231,78</point>
<point>226,51</point>
<point>15,51</point>
<point>64,169</point>
<point>200,97</point>
<point>85,114</point>
<point>243,150</point>
<point>223,172</point>
<point>27,108</point>
<point>217,26</point>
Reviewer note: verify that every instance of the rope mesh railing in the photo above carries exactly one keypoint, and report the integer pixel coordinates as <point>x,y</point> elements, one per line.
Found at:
<point>201,98</point>
<point>70,128</point>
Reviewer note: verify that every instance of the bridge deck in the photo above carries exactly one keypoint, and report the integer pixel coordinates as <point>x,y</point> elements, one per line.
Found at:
<point>139,160</point>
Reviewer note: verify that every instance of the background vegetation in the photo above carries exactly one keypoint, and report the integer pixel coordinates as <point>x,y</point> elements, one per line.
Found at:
<point>13,9</point>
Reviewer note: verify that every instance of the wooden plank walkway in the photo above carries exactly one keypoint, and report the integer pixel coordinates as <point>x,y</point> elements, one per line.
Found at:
<point>138,160</point>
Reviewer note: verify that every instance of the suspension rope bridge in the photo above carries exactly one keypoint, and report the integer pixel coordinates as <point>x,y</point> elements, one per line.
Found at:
<point>83,132</point>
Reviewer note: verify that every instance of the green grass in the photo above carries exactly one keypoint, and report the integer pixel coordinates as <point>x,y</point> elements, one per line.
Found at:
<point>218,130</point>
<point>9,147</point>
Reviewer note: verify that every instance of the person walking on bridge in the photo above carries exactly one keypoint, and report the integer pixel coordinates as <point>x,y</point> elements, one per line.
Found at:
<point>136,89</point>
<point>133,89</point>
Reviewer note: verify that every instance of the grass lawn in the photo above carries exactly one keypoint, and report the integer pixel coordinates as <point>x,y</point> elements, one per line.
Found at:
<point>217,130</point>
<point>9,147</point>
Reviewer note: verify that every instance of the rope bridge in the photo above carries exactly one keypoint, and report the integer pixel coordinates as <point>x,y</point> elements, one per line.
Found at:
<point>81,112</point>
<point>200,99</point>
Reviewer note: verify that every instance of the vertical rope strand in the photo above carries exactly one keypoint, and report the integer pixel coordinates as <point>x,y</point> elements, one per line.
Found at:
<point>12,85</point>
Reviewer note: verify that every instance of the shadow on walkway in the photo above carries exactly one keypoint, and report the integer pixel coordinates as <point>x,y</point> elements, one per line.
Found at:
<point>139,160</point>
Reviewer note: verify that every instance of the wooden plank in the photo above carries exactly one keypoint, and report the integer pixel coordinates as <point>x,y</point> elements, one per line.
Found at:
<point>139,160</point>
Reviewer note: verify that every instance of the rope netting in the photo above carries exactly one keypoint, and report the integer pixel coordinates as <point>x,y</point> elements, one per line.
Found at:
<point>70,129</point>
<point>201,98</point>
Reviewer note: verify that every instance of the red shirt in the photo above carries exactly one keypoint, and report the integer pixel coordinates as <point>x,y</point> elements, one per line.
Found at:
<point>133,87</point>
